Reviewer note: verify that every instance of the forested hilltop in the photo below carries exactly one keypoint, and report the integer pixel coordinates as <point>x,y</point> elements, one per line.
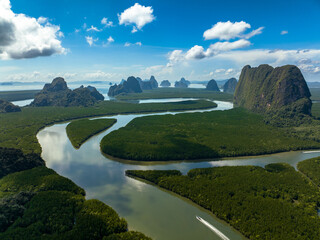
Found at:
<point>281,94</point>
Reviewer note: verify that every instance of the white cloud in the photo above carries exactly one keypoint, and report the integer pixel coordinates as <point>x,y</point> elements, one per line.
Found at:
<point>198,52</point>
<point>91,40</point>
<point>127,44</point>
<point>106,23</point>
<point>98,75</point>
<point>253,33</point>
<point>94,29</point>
<point>22,36</point>
<point>273,57</point>
<point>227,46</point>
<point>110,39</point>
<point>136,15</point>
<point>284,32</point>
<point>42,20</point>
<point>159,71</point>
<point>175,57</point>
<point>220,70</point>
<point>134,29</point>
<point>229,30</point>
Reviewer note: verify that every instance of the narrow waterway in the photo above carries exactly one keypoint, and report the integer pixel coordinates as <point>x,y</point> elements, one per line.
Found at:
<point>155,212</point>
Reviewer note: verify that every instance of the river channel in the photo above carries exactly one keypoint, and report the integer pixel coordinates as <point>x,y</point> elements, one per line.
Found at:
<point>155,212</point>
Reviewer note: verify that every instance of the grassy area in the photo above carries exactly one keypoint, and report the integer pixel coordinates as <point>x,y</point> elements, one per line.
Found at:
<point>272,203</point>
<point>235,132</point>
<point>81,130</point>
<point>53,207</point>
<point>18,95</point>
<point>18,130</point>
<point>315,94</point>
<point>177,93</point>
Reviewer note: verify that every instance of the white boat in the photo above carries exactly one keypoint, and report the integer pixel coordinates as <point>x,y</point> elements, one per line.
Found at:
<point>212,228</point>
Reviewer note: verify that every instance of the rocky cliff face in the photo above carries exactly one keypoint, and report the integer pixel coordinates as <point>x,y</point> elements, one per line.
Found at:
<point>264,88</point>
<point>183,83</point>
<point>165,83</point>
<point>148,84</point>
<point>6,107</point>
<point>130,86</point>
<point>230,85</point>
<point>212,86</point>
<point>153,82</point>
<point>57,93</point>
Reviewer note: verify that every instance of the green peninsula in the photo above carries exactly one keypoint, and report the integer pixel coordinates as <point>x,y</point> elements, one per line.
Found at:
<point>81,130</point>
<point>275,202</point>
<point>231,133</point>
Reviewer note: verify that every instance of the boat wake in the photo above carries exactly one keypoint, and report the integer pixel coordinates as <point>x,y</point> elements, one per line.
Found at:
<point>212,228</point>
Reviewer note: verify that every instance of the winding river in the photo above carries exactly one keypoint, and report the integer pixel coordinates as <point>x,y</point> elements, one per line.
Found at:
<point>155,212</point>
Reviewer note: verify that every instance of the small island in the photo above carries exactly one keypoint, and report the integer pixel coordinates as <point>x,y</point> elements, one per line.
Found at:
<point>57,93</point>
<point>80,131</point>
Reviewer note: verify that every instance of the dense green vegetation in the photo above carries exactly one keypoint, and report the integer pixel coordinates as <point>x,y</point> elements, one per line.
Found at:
<point>235,132</point>
<point>81,130</point>
<point>18,95</point>
<point>40,204</point>
<point>13,160</point>
<point>263,89</point>
<point>177,93</point>
<point>18,130</point>
<point>316,110</point>
<point>311,168</point>
<point>315,94</point>
<point>272,203</point>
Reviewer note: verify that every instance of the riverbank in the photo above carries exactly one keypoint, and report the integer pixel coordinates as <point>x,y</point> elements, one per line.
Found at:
<point>244,197</point>
<point>211,135</point>
<point>161,93</point>
<point>30,120</point>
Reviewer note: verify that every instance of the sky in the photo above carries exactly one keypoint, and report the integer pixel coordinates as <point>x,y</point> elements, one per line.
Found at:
<point>110,40</point>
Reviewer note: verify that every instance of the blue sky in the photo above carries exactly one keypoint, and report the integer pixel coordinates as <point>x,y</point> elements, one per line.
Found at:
<point>155,37</point>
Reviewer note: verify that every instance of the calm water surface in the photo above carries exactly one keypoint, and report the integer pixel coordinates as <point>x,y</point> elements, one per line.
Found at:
<point>155,212</point>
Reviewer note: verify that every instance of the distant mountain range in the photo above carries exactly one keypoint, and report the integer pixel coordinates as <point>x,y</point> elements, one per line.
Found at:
<point>313,84</point>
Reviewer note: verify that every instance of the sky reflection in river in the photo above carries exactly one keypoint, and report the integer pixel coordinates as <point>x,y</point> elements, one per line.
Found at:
<point>157,213</point>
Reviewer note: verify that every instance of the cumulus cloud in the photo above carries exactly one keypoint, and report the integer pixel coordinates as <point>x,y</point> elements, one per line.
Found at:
<point>127,44</point>
<point>229,30</point>
<point>227,46</point>
<point>110,39</point>
<point>221,31</point>
<point>198,52</point>
<point>284,32</point>
<point>91,40</point>
<point>22,36</point>
<point>274,57</point>
<point>136,15</point>
<point>106,23</point>
<point>94,29</point>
